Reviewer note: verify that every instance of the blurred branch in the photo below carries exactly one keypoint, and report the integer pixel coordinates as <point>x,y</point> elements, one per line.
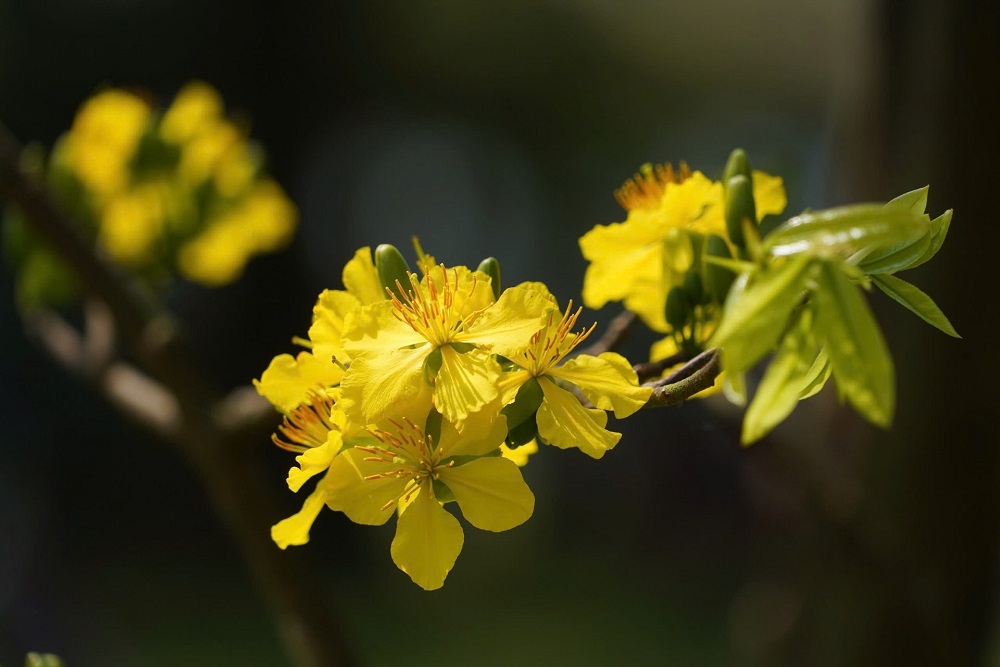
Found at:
<point>617,333</point>
<point>167,393</point>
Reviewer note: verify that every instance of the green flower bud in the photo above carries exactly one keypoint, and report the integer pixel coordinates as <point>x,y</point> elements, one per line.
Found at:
<point>738,164</point>
<point>528,398</point>
<point>441,492</point>
<point>739,206</point>
<point>717,279</point>
<point>694,288</point>
<point>391,268</point>
<point>491,267</point>
<point>679,307</point>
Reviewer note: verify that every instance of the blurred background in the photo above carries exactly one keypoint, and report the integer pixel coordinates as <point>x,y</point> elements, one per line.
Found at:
<point>502,128</point>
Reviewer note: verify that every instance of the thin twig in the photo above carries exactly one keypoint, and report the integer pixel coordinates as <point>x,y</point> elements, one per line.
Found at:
<point>695,376</point>
<point>654,369</point>
<point>616,334</point>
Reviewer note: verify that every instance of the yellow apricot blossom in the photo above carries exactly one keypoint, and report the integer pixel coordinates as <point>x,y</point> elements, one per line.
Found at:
<point>444,331</point>
<point>415,472</point>
<point>607,381</point>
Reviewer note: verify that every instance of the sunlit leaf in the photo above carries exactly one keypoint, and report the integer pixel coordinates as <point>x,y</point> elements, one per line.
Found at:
<point>783,382</point>
<point>757,310</point>
<point>939,230</point>
<point>914,201</point>
<point>841,232</point>
<point>858,354</point>
<point>915,300</point>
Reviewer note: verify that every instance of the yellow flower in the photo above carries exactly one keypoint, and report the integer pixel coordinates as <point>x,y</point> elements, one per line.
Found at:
<point>417,473</point>
<point>607,381</point>
<point>447,328</point>
<point>104,136</point>
<point>639,260</point>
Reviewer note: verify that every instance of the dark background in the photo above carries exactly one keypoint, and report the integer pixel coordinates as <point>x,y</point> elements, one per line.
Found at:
<point>502,128</point>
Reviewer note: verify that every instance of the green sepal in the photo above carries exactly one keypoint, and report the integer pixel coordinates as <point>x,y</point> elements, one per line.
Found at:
<point>432,364</point>
<point>679,309</point>
<point>738,164</point>
<point>916,301</point>
<point>757,309</point>
<point>523,433</point>
<point>843,231</point>
<point>393,271</point>
<point>784,381</point>
<point>441,492</point>
<point>859,357</point>
<point>529,397</point>
<point>739,207</point>
<point>491,267</point>
<point>432,427</point>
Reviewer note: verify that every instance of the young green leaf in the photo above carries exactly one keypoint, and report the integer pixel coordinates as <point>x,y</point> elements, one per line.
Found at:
<point>843,231</point>
<point>939,230</point>
<point>915,300</point>
<point>859,357</point>
<point>756,311</point>
<point>914,201</point>
<point>784,380</point>
<point>817,375</point>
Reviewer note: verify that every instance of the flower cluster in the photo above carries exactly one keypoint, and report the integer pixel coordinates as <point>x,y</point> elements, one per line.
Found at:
<point>654,260</point>
<point>701,261</point>
<point>168,191</point>
<point>418,389</point>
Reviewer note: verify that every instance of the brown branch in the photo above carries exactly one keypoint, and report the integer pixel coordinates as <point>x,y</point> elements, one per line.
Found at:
<point>695,376</point>
<point>615,335</point>
<point>654,369</point>
<point>169,395</point>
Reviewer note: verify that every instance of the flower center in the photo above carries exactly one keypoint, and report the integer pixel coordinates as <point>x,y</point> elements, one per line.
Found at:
<point>645,189</point>
<point>408,454</point>
<point>430,310</point>
<point>550,344</point>
<point>308,425</point>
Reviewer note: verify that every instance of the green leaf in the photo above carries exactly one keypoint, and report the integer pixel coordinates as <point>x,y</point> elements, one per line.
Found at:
<point>914,201</point>
<point>859,357</point>
<point>915,300</point>
<point>846,230</point>
<point>939,230</point>
<point>784,380</point>
<point>757,309</point>
<point>817,375</point>
<point>895,258</point>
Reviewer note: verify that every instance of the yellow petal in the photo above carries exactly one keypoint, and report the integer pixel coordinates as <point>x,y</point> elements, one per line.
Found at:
<point>362,500</point>
<point>314,461</point>
<point>295,529</point>
<point>520,455</point>
<point>329,313</point>
<point>491,493</point>
<point>696,204</point>
<point>361,278</point>
<point>607,380</point>
<point>621,255</point>
<point>373,330</point>
<point>428,541</point>
<point>287,381</point>
<point>768,194</point>
<point>465,383</point>
<point>481,434</point>
<point>384,385</point>
<point>506,327</point>
<point>563,422</point>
